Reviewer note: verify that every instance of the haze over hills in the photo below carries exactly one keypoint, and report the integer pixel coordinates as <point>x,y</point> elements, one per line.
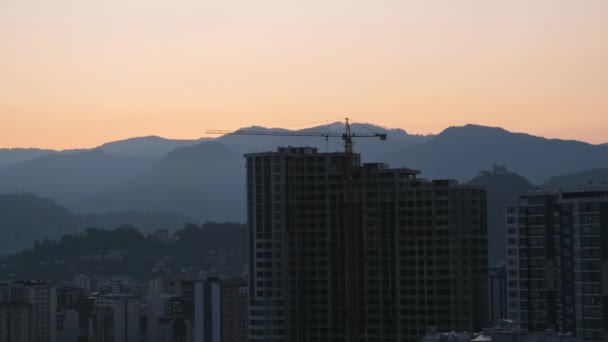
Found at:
<point>458,152</point>
<point>205,181</point>
<point>574,180</point>
<point>69,178</point>
<point>152,147</point>
<point>368,147</point>
<point>155,147</point>
<point>205,178</point>
<point>25,217</point>
<point>503,188</point>
<point>16,155</point>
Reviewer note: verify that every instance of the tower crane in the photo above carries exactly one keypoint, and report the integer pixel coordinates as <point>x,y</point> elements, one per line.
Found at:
<point>351,279</point>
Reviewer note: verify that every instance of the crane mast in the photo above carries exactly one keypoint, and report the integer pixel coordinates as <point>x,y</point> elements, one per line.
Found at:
<point>351,279</point>
<point>351,239</point>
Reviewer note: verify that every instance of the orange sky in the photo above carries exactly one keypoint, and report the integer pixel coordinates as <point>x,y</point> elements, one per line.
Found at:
<point>77,73</point>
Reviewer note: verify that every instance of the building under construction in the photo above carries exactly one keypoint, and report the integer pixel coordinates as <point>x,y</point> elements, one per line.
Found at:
<point>415,254</point>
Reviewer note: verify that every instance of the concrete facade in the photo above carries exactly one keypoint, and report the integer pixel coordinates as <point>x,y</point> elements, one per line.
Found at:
<point>421,249</point>
<point>557,262</point>
<point>42,298</point>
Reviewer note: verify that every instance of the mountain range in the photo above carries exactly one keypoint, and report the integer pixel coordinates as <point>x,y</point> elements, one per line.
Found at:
<point>146,147</point>
<point>503,188</point>
<point>25,218</point>
<point>10,156</point>
<point>204,178</point>
<point>578,179</point>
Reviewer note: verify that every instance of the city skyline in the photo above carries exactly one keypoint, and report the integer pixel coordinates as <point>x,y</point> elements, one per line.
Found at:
<point>78,74</point>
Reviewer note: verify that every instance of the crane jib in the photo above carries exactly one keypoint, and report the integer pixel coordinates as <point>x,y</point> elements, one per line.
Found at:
<point>351,252</point>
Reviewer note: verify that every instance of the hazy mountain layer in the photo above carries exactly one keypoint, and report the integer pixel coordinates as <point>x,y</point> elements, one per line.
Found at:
<point>25,218</point>
<point>503,188</point>
<point>206,180</point>
<point>10,156</point>
<point>145,147</point>
<point>69,178</point>
<point>574,180</point>
<point>371,148</point>
<point>459,152</point>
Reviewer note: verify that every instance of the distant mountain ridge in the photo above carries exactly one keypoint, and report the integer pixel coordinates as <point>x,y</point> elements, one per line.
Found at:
<point>205,178</point>
<point>458,152</point>
<point>503,188</point>
<point>154,147</point>
<point>368,147</point>
<point>25,217</point>
<point>579,179</point>
<point>69,178</point>
<point>10,156</point>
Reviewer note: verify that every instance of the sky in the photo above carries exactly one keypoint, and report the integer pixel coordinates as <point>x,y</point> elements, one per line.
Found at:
<point>77,73</point>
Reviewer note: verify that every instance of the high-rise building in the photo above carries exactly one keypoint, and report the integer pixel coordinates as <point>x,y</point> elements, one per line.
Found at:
<point>171,310</point>
<point>157,304</point>
<point>42,298</point>
<point>420,247</point>
<point>173,330</point>
<point>221,310</point>
<point>116,318</point>
<point>498,293</point>
<point>158,285</point>
<point>69,330</point>
<point>234,310</point>
<point>88,283</point>
<point>557,262</point>
<point>16,324</point>
<point>207,311</point>
<point>68,297</point>
<point>86,318</point>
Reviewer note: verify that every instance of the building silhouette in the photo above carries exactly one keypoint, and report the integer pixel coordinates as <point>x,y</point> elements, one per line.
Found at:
<point>41,298</point>
<point>498,293</point>
<point>116,317</point>
<point>421,249</point>
<point>16,324</point>
<point>221,310</point>
<point>234,310</point>
<point>171,310</point>
<point>557,258</point>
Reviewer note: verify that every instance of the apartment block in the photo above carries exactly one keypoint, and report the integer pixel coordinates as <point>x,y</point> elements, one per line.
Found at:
<point>16,324</point>
<point>420,249</point>
<point>116,318</point>
<point>557,262</point>
<point>498,293</point>
<point>41,296</point>
<point>221,310</point>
